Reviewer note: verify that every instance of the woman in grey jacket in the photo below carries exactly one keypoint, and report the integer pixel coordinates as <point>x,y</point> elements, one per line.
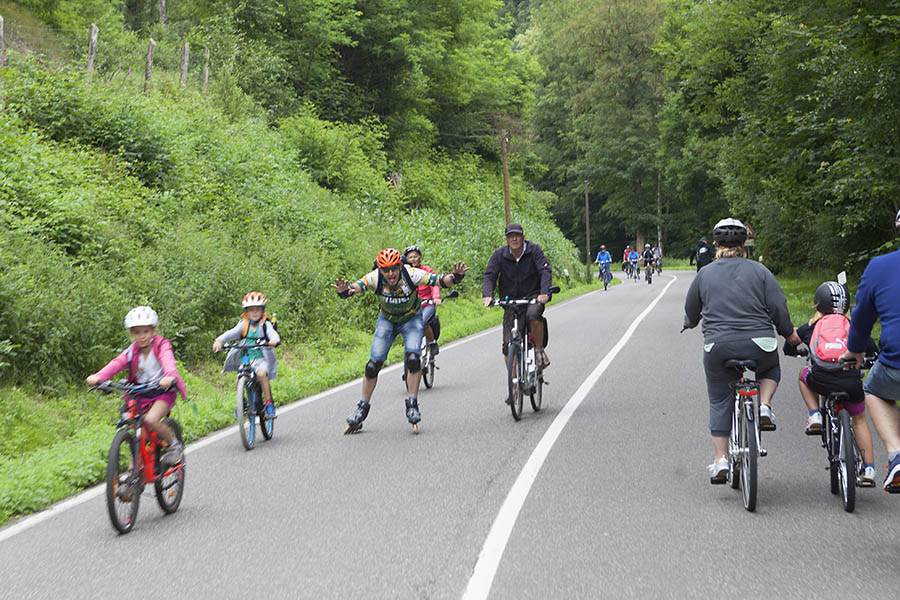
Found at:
<point>739,301</point>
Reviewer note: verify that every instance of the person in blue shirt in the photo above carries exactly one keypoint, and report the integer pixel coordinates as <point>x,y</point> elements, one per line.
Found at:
<point>633,257</point>
<point>604,260</point>
<point>878,297</point>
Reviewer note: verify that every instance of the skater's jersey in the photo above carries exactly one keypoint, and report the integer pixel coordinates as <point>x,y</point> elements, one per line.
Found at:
<point>399,304</point>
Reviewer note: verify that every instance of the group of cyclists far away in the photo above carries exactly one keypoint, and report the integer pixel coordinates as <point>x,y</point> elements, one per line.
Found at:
<point>739,330</point>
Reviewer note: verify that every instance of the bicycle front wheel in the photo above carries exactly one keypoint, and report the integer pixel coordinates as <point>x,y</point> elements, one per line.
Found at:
<point>516,393</point>
<point>246,423</point>
<point>749,457</point>
<point>169,484</point>
<point>123,492</point>
<point>847,462</point>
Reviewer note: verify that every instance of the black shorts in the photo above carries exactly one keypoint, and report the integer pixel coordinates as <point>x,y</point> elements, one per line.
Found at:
<point>533,313</point>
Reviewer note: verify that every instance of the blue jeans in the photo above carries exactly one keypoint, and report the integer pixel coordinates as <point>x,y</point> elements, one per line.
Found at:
<point>386,332</point>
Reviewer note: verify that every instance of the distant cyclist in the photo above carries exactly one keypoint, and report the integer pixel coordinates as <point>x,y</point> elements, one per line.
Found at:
<point>426,292</point>
<point>520,270</point>
<point>878,298</point>
<point>625,259</point>
<point>657,257</point>
<point>647,257</point>
<point>703,253</point>
<point>604,259</point>
<point>400,314</point>
<point>738,300</point>
<point>633,258</point>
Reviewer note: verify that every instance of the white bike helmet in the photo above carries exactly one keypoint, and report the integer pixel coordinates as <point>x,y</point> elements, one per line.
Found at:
<point>140,316</point>
<point>897,220</point>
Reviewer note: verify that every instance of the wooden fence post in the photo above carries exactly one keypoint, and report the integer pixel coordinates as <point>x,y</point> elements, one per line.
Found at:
<point>92,51</point>
<point>162,13</point>
<point>148,72</point>
<point>185,58</point>
<point>205,67</point>
<point>2,43</point>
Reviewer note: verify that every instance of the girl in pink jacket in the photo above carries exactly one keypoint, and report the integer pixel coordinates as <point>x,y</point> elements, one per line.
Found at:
<point>149,359</point>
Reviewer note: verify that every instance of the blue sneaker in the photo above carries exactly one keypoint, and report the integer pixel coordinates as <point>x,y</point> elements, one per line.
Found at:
<point>892,479</point>
<point>270,410</point>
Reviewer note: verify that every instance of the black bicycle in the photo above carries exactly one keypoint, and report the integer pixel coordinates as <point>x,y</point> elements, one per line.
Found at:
<point>249,400</point>
<point>744,447</point>
<point>524,375</point>
<point>426,357</point>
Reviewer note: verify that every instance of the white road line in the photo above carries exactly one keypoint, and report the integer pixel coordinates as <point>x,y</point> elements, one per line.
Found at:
<point>90,493</point>
<point>489,559</point>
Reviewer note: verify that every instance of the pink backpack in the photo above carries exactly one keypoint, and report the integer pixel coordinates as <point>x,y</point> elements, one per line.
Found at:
<point>829,342</point>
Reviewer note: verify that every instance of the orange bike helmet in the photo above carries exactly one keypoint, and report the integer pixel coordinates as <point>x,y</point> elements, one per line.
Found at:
<point>387,258</point>
<point>253,299</point>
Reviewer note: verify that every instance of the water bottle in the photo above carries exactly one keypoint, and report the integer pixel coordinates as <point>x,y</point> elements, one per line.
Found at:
<point>529,360</point>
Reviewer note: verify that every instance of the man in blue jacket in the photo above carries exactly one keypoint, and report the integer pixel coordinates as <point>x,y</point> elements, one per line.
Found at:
<point>878,297</point>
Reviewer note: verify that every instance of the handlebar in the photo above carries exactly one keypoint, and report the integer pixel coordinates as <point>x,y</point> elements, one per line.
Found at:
<point>523,301</point>
<point>239,345</point>
<point>430,301</point>
<point>142,389</point>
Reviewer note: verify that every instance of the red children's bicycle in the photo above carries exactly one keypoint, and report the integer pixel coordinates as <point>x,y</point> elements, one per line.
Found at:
<point>134,459</point>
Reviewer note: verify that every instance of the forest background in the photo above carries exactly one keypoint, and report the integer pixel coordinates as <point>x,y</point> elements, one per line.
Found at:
<point>332,128</point>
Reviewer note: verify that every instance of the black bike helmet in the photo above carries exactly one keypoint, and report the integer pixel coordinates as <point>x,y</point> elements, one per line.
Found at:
<point>897,220</point>
<point>730,232</point>
<point>831,298</point>
<point>412,249</point>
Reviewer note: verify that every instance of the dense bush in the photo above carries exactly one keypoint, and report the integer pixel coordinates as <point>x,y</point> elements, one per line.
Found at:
<point>111,199</point>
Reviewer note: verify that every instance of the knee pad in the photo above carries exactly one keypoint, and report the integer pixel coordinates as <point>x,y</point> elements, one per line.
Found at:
<point>413,362</point>
<point>372,368</point>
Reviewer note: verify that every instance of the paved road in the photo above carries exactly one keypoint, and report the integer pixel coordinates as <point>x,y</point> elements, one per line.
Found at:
<point>620,507</point>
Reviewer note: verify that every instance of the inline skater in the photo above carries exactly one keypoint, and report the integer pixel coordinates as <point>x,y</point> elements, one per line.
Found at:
<point>523,272</point>
<point>399,314</point>
<point>878,298</point>
<point>604,260</point>
<point>737,324</point>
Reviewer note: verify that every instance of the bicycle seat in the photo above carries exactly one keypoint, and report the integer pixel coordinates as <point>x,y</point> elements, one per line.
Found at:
<point>839,397</point>
<point>741,365</point>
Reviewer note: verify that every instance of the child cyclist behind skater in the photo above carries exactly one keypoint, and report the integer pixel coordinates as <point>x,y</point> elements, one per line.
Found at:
<point>254,325</point>
<point>832,302</point>
<point>149,359</point>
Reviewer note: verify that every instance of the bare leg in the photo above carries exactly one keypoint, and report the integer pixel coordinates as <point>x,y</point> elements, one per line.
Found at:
<point>537,328</point>
<point>886,418</point>
<point>263,376</point>
<point>767,389</point>
<point>412,383</point>
<point>810,397</point>
<point>153,419</point>
<point>863,437</point>
<point>720,446</point>
<point>429,334</point>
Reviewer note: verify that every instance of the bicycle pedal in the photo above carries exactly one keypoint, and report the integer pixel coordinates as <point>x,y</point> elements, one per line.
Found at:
<point>893,489</point>
<point>763,452</point>
<point>718,480</point>
<point>767,427</point>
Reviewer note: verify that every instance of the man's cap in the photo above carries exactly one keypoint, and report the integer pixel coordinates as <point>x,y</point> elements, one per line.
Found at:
<point>514,228</point>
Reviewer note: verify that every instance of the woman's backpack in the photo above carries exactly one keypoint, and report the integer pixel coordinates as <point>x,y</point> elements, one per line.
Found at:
<point>829,342</point>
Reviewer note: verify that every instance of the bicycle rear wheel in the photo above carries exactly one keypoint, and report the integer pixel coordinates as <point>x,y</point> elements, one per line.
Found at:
<point>749,457</point>
<point>516,394</point>
<point>170,483</point>
<point>246,423</point>
<point>832,445</point>
<point>123,492</point>
<point>537,394</point>
<point>847,462</point>
<point>427,366</point>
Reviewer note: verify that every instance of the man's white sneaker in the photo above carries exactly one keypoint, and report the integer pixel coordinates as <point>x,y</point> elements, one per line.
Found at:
<point>718,471</point>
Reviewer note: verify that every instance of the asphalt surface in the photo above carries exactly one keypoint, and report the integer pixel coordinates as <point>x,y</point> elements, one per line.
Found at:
<point>622,506</point>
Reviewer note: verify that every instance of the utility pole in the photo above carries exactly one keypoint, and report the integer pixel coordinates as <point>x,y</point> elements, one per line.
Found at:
<point>503,142</point>
<point>587,231</point>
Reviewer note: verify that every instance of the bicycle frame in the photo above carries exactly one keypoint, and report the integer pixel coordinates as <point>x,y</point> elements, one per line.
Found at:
<point>147,440</point>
